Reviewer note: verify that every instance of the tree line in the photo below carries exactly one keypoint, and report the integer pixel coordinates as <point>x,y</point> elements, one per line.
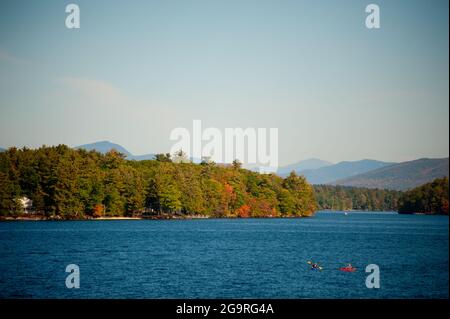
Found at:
<point>430,198</point>
<point>75,184</point>
<point>71,184</point>
<point>356,198</point>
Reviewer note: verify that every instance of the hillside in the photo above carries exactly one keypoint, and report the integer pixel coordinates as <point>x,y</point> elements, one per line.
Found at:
<point>353,198</point>
<point>430,199</point>
<point>331,173</point>
<point>401,176</point>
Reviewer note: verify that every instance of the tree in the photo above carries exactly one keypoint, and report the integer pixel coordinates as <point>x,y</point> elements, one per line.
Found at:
<point>237,164</point>
<point>287,203</point>
<point>134,190</point>
<point>99,210</point>
<point>163,158</point>
<point>169,198</point>
<point>66,188</point>
<point>303,193</point>
<point>8,195</point>
<point>243,211</point>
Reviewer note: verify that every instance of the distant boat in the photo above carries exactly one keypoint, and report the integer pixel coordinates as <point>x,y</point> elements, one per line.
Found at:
<point>345,213</point>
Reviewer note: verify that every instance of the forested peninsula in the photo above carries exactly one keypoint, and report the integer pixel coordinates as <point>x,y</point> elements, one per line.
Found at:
<point>64,183</point>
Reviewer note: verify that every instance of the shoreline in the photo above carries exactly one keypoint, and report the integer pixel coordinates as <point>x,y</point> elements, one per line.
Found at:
<point>113,218</point>
<point>186,217</point>
<point>98,218</point>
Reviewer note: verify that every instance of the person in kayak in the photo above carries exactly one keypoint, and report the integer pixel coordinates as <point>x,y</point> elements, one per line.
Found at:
<point>314,265</point>
<point>348,268</point>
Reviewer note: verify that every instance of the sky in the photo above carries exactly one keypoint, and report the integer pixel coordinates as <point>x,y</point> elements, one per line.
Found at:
<point>135,70</point>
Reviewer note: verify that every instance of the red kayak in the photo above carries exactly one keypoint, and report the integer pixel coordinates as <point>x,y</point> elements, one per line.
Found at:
<point>347,269</point>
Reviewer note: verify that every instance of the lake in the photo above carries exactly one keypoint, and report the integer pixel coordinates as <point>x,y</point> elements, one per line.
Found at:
<point>227,258</point>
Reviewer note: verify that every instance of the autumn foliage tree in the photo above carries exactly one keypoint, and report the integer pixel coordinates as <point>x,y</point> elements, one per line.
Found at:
<point>243,211</point>
<point>98,211</point>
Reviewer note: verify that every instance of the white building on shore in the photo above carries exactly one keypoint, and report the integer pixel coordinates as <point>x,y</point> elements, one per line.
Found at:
<point>26,203</point>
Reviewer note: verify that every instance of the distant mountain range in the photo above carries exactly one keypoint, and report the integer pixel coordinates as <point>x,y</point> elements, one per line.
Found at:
<point>371,173</point>
<point>106,146</point>
<point>2,149</point>
<point>327,172</point>
<point>342,170</point>
<point>312,163</point>
<point>401,176</point>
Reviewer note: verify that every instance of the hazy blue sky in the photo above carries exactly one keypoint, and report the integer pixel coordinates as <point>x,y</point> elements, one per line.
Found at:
<point>137,69</point>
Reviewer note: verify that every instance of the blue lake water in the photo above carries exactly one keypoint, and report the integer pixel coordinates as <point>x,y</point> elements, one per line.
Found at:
<point>227,258</point>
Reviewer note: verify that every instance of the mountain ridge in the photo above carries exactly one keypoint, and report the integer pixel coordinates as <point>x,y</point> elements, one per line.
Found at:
<point>300,166</point>
<point>400,176</point>
<point>344,169</point>
<point>106,146</point>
